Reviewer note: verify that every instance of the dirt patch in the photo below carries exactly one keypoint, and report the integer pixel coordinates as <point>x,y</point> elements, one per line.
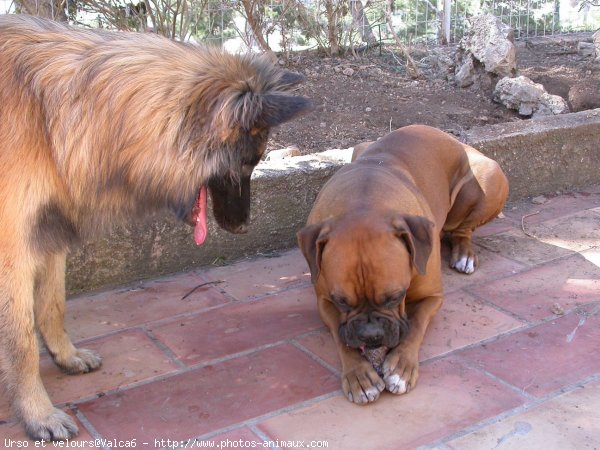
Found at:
<point>364,97</point>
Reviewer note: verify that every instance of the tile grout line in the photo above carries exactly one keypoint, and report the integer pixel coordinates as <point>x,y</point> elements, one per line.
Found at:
<point>199,271</point>
<point>250,351</point>
<point>253,422</point>
<point>153,323</point>
<point>495,306</point>
<point>187,315</point>
<point>472,365</point>
<point>529,323</point>
<point>527,326</point>
<point>528,265</point>
<point>263,295</point>
<point>523,269</point>
<point>456,352</point>
<point>315,357</point>
<point>261,434</point>
<point>175,372</point>
<point>556,214</point>
<point>87,424</point>
<point>537,401</point>
<point>164,348</point>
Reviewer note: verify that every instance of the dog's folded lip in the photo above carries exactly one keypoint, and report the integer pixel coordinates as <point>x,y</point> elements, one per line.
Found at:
<point>192,216</point>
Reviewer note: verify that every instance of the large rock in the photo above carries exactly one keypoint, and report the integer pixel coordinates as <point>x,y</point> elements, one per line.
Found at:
<point>443,61</point>
<point>528,98</point>
<point>491,43</point>
<point>586,49</point>
<point>466,74</point>
<point>585,94</point>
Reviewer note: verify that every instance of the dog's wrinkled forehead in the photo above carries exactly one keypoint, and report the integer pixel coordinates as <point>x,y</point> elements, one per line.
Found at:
<point>373,264</point>
<point>365,273</point>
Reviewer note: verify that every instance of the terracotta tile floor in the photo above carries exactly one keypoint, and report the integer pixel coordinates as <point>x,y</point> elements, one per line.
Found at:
<point>511,361</point>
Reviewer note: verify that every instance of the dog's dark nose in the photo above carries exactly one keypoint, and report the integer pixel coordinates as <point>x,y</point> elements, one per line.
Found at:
<point>371,334</point>
<point>241,229</point>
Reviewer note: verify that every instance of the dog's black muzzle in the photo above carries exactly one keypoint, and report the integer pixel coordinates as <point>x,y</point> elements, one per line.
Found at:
<point>373,330</point>
<point>231,203</point>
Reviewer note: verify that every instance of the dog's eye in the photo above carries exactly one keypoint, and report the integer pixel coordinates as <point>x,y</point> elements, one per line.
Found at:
<point>341,302</point>
<point>393,300</point>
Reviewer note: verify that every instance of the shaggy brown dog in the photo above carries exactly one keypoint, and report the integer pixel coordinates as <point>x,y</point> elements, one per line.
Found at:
<point>96,127</point>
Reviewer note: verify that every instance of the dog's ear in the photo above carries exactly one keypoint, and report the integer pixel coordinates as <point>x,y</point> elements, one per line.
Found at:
<point>417,234</point>
<point>289,80</point>
<point>280,108</point>
<point>311,240</point>
<point>359,149</point>
<point>250,110</point>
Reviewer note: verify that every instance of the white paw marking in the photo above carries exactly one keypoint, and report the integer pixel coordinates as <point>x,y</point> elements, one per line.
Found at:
<point>465,265</point>
<point>395,384</point>
<point>470,266</point>
<point>372,393</point>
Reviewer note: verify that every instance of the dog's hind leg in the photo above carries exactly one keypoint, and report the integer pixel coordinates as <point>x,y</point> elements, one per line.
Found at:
<point>19,353</point>
<point>479,201</point>
<point>49,307</point>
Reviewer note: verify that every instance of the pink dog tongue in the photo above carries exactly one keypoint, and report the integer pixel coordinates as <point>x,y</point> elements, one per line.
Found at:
<point>200,216</point>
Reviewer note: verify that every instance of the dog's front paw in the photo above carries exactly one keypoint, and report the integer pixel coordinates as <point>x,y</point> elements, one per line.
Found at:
<point>82,361</point>
<point>400,372</point>
<point>362,384</point>
<point>395,384</point>
<point>56,426</point>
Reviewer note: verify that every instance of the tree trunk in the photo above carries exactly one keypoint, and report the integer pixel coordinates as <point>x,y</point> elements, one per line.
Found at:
<point>413,70</point>
<point>361,22</point>
<point>332,35</point>
<point>255,22</point>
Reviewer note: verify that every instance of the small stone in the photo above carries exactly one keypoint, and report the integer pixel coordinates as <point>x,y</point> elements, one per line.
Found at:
<point>367,109</point>
<point>557,309</point>
<point>283,153</point>
<point>539,200</point>
<point>323,125</point>
<point>586,49</point>
<point>348,72</point>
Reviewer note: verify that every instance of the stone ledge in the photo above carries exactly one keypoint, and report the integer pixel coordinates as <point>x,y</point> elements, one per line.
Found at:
<point>555,153</point>
<point>538,156</point>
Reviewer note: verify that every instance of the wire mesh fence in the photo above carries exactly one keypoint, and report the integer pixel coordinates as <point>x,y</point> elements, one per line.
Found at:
<point>288,25</point>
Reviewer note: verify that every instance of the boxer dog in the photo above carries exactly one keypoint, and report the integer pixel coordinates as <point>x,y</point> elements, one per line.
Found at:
<point>372,243</point>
